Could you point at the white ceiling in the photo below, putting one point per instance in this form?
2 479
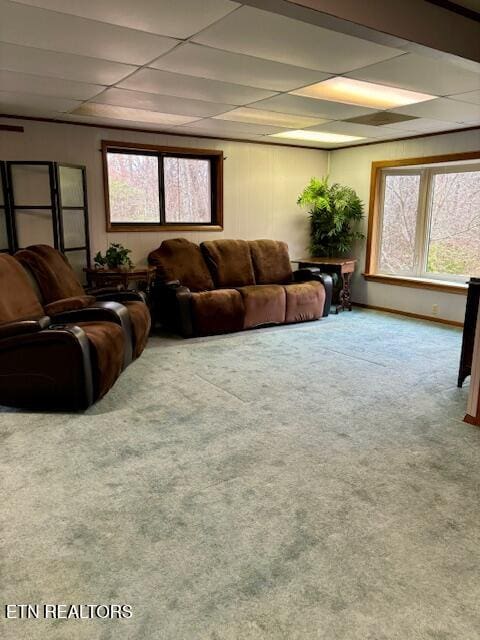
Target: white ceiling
186 64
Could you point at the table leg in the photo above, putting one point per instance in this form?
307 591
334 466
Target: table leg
347 292
344 296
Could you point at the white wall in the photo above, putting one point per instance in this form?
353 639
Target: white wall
352 167
261 182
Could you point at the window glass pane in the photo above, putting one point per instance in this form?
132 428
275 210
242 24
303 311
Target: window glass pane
34 226
71 186
78 260
454 241
73 228
397 251
3 230
133 187
31 185
187 190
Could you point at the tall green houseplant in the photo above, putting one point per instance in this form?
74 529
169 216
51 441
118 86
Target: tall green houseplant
335 210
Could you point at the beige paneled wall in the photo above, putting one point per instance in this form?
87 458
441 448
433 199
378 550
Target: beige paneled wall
261 182
352 167
261 186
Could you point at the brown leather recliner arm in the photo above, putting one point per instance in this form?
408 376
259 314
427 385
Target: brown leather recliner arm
304 275
21 327
172 307
116 295
47 369
102 312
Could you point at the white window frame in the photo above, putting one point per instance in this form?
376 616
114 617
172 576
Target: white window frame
424 217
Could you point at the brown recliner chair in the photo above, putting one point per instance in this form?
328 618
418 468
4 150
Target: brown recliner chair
58 284
67 366
230 285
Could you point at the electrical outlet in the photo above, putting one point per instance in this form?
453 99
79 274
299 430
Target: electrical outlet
435 309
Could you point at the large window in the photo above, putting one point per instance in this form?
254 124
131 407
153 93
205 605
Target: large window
425 221
152 188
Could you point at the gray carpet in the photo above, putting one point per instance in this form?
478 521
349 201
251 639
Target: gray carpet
305 482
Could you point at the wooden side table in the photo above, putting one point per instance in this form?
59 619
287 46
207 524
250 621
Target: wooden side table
344 267
99 278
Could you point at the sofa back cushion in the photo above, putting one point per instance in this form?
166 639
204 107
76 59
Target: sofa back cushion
180 259
230 262
271 262
55 277
18 300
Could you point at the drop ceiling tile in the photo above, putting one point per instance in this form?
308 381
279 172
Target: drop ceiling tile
222 127
175 84
273 118
423 125
311 107
471 96
62 65
32 102
443 109
274 37
135 115
54 31
419 73
166 104
205 62
26 83
176 18
352 129
207 131
311 144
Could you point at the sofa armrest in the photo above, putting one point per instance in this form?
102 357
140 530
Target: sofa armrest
107 311
122 296
171 304
96 291
304 275
22 327
68 304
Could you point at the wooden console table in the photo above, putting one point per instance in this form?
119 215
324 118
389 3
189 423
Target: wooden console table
100 278
344 267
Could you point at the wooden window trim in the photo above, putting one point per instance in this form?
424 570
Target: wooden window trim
373 223
217 202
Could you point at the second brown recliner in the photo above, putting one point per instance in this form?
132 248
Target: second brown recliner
58 282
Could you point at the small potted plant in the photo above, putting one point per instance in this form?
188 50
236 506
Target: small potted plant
116 257
335 210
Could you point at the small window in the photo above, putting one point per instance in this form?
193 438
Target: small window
425 221
162 188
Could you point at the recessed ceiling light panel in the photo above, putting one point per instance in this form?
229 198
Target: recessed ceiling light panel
126 113
316 136
272 118
362 94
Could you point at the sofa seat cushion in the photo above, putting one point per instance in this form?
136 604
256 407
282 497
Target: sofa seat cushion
107 346
264 304
141 322
230 262
305 301
218 311
271 262
180 259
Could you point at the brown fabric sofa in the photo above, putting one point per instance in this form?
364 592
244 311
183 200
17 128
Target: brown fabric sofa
62 292
52 366
229 285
